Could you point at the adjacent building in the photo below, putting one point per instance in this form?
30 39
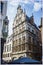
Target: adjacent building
5 27
3 10
3 24
26 36
40 28
7 51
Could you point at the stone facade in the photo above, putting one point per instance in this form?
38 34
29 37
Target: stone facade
25 40
26 36
40 26
41 29
7 51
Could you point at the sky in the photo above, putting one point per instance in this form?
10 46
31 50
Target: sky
30 7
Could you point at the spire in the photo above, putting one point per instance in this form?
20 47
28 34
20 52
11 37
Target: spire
32 16
5 27
41 21
31 19
19 7
24 10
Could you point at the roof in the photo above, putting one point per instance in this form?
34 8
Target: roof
28 19
19 6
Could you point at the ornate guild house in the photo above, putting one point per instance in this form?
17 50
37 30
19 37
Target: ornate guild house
26 36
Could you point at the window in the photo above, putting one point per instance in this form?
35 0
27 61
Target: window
34 48
29 39
19 40
32 31
23 26
16 21
10 47
16 31
33 41
20 29
29 46
23 47
8 55
13 42
16 41
8 41
23 17
15 49
19 47
5 48
28 28
23 39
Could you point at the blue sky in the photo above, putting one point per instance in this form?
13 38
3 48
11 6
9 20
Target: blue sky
30 6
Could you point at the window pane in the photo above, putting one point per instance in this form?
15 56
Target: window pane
29 46
23 41
23 47
19 47
19 40
29 39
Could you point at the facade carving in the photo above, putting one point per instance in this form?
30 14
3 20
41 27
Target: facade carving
26 37
26 40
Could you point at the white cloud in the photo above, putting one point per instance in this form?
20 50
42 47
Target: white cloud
25 1
16 2
32 1
28 1
37 6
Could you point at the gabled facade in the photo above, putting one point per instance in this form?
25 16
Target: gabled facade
25 40
26 36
